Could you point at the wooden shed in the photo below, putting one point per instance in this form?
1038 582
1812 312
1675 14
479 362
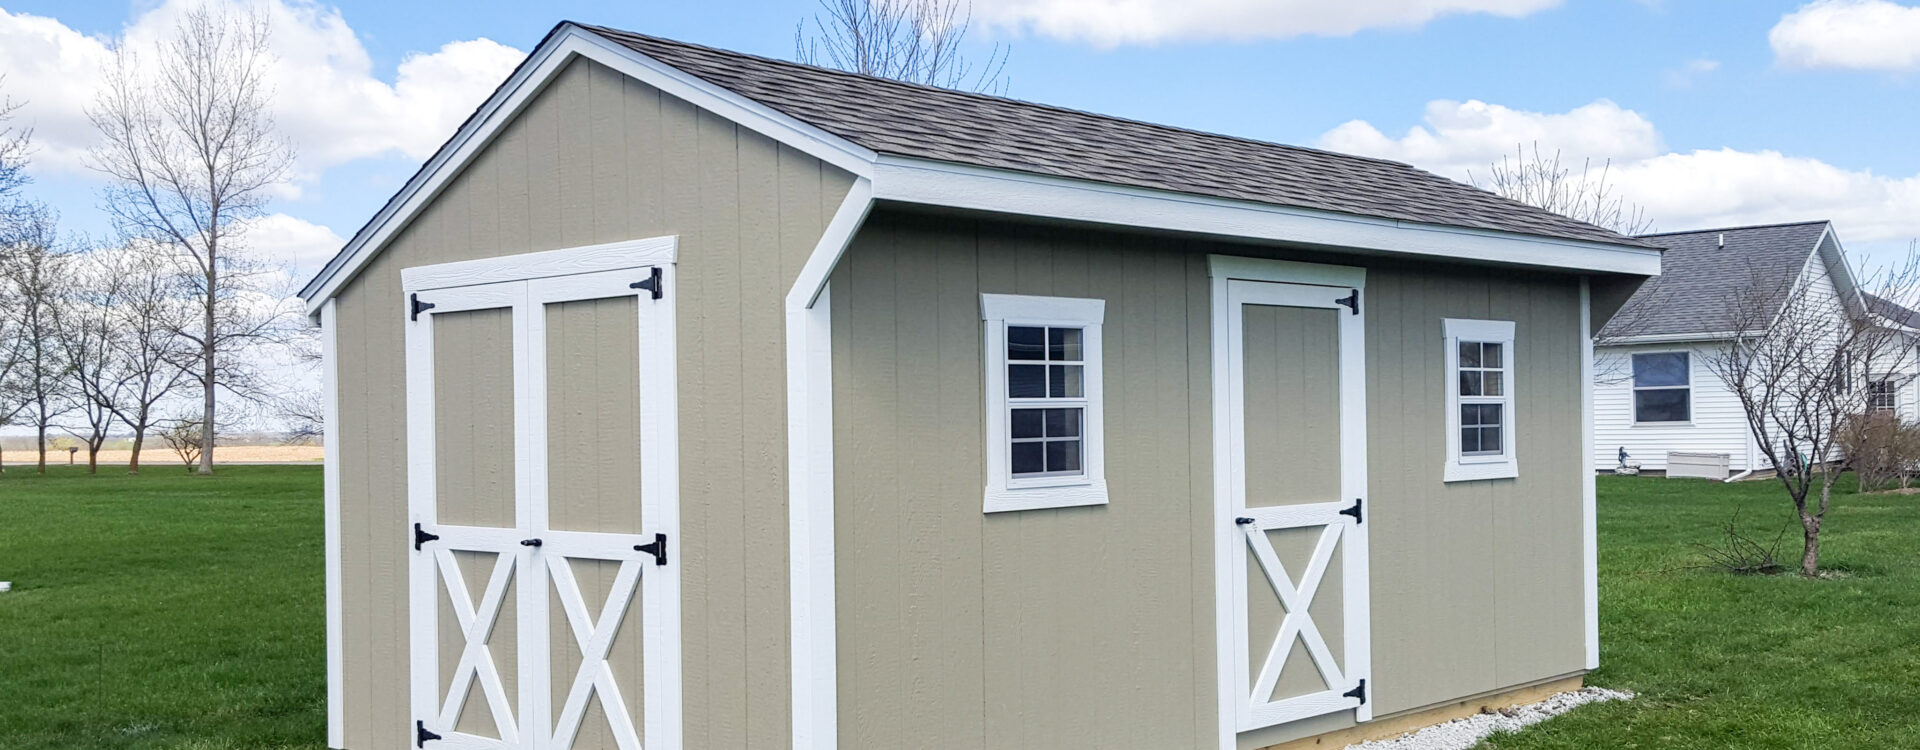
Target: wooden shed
687 398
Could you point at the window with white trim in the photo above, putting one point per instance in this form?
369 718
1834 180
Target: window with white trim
1043 402
1662 388
1883 395
1480 403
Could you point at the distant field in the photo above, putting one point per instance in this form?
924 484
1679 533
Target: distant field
238 454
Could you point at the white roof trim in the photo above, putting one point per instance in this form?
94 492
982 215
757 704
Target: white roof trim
1003 191
957 186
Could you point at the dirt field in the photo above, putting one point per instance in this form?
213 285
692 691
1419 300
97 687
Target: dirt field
238 454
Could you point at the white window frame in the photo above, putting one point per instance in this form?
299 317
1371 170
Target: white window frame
1003 491
1893 384
1505 464
1633 401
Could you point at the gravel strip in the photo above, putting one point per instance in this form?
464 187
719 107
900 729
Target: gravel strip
1461 734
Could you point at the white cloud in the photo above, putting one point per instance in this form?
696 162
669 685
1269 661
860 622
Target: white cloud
300 245
328 100
1691 71
1855 34
1679 190
1113 22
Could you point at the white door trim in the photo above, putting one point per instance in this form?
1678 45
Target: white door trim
1232 277
595 272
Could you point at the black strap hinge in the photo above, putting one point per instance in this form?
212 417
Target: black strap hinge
651 284
1354 511
1352 301
421 735
422 536
417 306
1242 521
657 548
1359 691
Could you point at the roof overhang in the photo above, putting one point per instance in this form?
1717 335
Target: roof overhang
948 185
1669 338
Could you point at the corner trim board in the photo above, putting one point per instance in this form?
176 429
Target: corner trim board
1589 517
330 473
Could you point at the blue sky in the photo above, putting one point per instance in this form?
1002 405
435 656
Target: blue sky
1716 112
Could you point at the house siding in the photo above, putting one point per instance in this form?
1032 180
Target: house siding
597 157
1093 627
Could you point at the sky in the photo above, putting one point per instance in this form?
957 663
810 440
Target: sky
1707 112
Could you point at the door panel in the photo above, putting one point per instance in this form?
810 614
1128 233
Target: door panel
1297 484
535 525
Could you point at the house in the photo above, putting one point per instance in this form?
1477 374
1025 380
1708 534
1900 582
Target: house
1893 382
1656 392
687 398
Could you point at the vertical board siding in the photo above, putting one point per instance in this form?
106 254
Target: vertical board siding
598 157
1092 627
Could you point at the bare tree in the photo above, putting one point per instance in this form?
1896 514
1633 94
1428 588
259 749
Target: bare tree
15 147
917 41
1540 180
147 353
192 155
40 386
1799 367
85 335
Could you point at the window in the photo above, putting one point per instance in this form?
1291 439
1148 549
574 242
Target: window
1662 387
1480 404
1883 395
1043 402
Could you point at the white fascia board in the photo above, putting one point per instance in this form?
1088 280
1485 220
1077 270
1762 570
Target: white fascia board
1668 338
943 184
541 66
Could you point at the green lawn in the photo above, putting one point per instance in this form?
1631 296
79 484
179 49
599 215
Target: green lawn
1721 661
178 612
162 611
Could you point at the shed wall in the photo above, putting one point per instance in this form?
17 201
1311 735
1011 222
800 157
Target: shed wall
595 158
1093 627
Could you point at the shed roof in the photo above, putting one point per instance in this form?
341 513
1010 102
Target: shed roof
911 120
1698 276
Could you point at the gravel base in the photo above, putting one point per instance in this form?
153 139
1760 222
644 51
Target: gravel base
1461 734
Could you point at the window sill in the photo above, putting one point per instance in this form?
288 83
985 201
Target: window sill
1686 423
1457 471
1001 500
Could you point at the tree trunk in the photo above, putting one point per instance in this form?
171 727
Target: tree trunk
41 440
206 378
1810 557
139 438
93 458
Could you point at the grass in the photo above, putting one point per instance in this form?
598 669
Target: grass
169 611
1722 661
162 611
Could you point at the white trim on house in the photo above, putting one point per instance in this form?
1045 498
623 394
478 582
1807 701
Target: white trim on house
541 65
1634 388
950 185
1506 463
1231 669
612 256
1005 492
1589 499
330 473
810 560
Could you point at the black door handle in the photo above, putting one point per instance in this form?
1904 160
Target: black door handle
530 542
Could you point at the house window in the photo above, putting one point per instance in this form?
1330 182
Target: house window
1043 402
1882 395
1662 387
1480 360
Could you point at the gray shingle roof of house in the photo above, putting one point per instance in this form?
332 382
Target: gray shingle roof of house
1698 278
903 119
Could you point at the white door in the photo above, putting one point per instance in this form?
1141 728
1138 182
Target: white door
1297 515
543 512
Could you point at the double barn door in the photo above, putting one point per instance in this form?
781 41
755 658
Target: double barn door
543 510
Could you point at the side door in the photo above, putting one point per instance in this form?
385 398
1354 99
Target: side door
543 507
1297 525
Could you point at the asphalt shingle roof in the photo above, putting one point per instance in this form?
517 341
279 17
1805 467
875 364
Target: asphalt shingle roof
910 120
1893 310
1698 277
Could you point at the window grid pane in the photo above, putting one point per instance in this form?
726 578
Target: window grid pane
1045 440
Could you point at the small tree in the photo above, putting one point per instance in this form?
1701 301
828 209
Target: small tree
183 437
1540 180
145 311
917 41
192 155
36 274
1798 367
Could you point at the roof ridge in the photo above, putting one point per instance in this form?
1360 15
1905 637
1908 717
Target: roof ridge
1738 228
1008 99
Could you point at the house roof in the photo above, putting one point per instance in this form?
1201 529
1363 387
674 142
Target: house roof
1893 311
903 119
1698 277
